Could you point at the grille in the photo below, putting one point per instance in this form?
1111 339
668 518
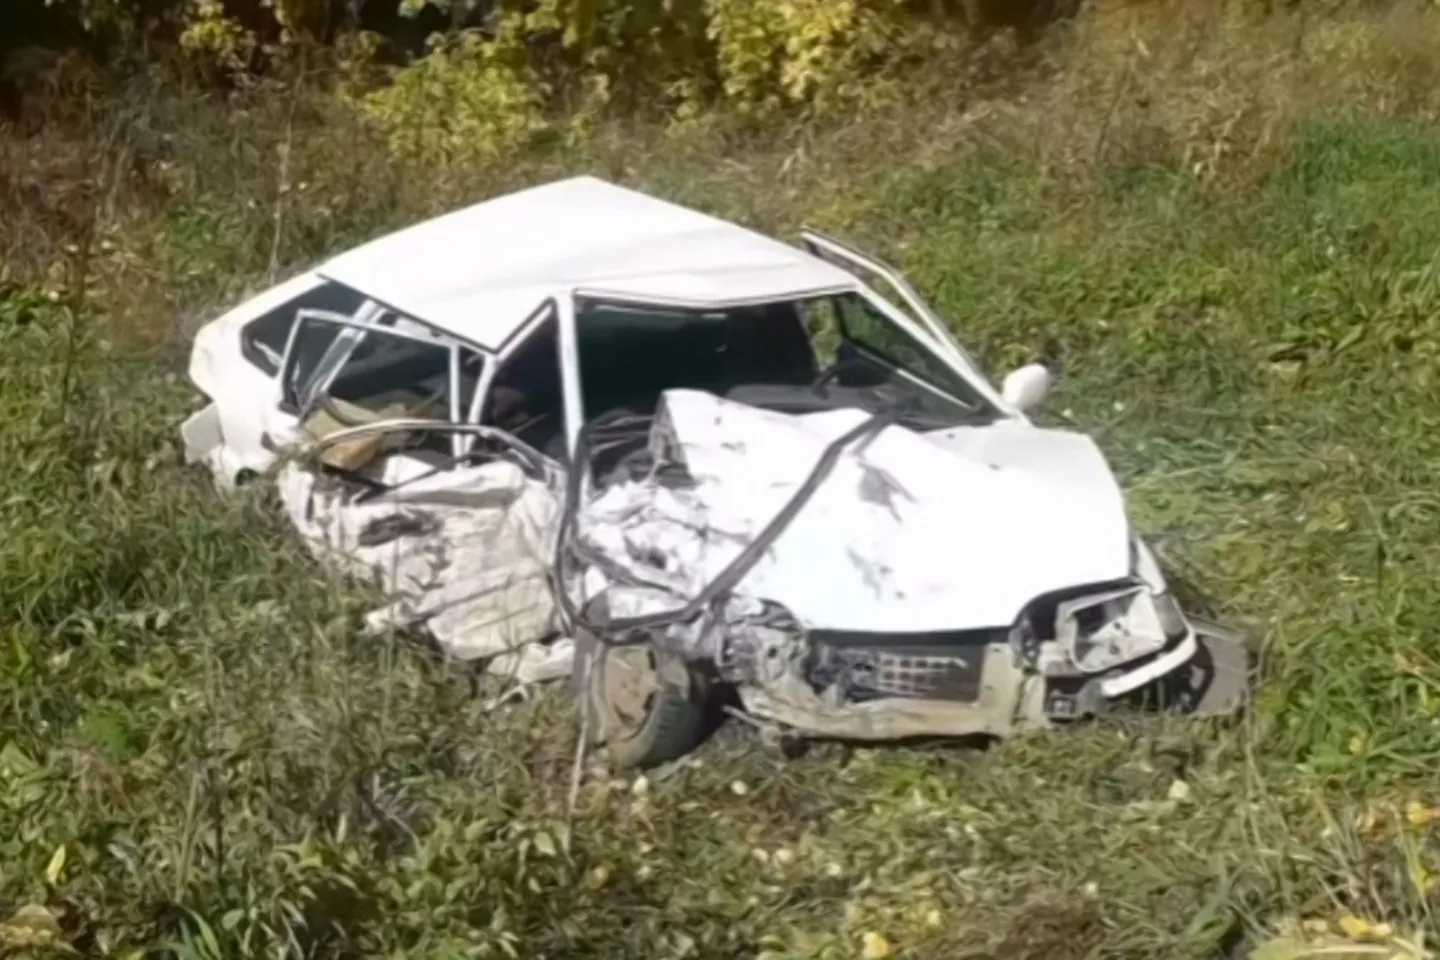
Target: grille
861 667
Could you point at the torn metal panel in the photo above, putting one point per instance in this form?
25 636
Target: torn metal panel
465 553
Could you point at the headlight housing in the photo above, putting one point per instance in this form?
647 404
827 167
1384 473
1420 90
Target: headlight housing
1105 630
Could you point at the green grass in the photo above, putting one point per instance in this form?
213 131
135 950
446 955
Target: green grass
188 712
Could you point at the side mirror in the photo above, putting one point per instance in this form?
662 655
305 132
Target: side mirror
1026 387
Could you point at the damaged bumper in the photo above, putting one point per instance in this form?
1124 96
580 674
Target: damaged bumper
894 692
1104 650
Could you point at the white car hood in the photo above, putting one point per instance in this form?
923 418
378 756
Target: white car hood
911 532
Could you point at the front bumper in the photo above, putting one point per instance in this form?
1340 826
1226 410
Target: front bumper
889 688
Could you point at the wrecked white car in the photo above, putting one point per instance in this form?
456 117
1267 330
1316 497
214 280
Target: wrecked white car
579 430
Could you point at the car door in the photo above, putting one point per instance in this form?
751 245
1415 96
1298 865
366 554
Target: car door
341 372
873 271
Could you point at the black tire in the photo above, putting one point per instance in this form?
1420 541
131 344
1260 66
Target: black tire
673 720
1231 658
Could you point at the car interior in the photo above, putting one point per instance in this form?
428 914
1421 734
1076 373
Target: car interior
761 355
389 377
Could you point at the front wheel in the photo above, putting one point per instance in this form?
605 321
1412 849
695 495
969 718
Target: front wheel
645 704
1228 661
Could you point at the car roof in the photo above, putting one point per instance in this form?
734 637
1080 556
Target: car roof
482 271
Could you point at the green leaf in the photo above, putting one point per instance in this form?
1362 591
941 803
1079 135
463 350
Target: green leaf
56 866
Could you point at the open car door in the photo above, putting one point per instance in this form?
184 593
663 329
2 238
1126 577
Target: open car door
870 270
340 373
311 335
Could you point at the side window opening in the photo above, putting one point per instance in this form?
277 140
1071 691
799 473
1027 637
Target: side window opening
385 375
527 398
863 326
879 284
263 340
897 292
313 341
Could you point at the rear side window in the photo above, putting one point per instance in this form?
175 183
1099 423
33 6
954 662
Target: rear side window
263 340
397 377
379 371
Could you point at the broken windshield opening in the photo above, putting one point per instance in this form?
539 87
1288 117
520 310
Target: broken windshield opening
774 355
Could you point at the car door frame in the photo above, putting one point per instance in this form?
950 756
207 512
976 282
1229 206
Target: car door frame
534 322
372 311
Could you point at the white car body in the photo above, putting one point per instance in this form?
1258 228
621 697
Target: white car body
915 531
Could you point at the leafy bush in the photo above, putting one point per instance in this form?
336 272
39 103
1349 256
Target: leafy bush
465 103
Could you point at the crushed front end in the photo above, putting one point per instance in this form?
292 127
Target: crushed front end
837 604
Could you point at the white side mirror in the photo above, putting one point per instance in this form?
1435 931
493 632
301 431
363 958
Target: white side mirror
1026 387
